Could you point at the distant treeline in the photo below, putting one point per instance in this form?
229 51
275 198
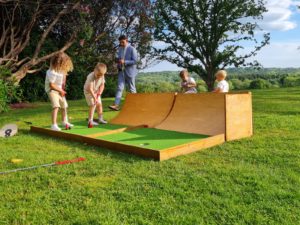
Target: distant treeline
238 78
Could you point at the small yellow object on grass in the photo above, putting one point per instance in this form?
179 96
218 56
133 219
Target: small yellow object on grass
16 160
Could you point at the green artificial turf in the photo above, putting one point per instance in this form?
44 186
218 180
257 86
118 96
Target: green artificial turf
249 181
151 138
82 129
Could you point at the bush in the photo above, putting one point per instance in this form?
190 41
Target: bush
239 84
4 72
33 87
260 84
111 83
9 93
291 81
156 87
3 97
201 86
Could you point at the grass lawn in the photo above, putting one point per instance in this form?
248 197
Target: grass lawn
250 181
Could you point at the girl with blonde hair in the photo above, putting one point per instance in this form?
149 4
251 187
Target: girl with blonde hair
60 65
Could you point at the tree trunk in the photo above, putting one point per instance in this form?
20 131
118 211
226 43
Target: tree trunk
210 81
210 85
18 75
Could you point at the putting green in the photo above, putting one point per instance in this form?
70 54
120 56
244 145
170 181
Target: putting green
152 138
81 128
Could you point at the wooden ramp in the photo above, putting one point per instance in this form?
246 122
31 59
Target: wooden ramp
197 113
212 114
145 109
218 117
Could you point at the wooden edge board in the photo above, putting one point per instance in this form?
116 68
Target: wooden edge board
114 146
191 147
116 131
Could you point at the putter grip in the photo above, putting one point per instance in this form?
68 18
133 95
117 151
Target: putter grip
69 161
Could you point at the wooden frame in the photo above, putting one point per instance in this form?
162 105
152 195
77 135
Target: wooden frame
159 155
222 116
238 114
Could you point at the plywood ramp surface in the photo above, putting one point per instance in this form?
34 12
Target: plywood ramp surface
197 113
149 109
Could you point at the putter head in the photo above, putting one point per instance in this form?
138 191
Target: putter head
67 127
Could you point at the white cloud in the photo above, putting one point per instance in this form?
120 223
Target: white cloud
279 15
277 54
280 54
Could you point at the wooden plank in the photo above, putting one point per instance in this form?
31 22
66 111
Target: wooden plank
148 153
116 131
239 122
191 147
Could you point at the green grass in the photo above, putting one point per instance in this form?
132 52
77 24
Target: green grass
250 181
153 138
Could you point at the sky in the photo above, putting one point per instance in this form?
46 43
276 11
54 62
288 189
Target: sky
283 22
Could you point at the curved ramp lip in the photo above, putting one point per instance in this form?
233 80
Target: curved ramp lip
145 108
197 113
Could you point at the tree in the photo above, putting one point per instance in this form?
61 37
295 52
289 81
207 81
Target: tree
20 18
206 35
107 20
33 31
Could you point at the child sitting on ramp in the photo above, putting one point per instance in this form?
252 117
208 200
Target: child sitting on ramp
93 89
60 65
188 84
222 84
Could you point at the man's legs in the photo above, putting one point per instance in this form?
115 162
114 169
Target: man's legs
120 88
130 81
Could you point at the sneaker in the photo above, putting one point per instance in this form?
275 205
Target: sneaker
102 121
55 127
94 123
91 124
67 124
114 107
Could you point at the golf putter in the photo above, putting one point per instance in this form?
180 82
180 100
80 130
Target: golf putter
90 124
45 165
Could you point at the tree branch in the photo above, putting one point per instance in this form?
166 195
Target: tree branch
53 23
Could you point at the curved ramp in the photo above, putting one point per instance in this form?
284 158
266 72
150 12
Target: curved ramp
148 109
197 113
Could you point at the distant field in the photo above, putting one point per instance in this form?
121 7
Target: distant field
251 181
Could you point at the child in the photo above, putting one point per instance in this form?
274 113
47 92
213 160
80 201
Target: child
222 86
188 84
93 88
60 65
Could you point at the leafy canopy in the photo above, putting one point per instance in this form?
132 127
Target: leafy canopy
206 35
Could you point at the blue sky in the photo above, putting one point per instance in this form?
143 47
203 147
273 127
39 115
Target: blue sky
283 22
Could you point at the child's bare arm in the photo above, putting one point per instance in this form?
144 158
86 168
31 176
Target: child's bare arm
189 85
54 87
101 89
91 92
217 90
